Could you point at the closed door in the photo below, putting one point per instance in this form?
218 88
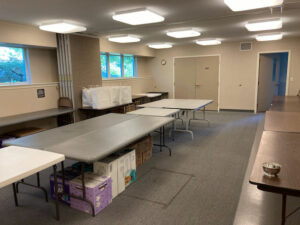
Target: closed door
185 78
197 78
267 81
207 80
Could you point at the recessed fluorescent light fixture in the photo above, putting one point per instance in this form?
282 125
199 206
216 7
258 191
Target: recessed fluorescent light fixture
184 33
271 24
62 28
124 39
242 5
138 17
269 37
160 46
208 42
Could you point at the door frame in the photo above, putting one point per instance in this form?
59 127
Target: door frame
198 56
257 74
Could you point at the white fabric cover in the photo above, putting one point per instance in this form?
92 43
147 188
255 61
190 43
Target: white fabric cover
105 97
86 98
100 97
115 95
125 95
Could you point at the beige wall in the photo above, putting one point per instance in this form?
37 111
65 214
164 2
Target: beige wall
26 35
22 99
85 57
238 69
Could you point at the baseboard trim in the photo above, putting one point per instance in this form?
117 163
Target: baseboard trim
236 110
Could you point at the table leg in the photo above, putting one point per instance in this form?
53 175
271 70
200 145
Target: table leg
83 189
15 194
63 176
160 139
162 143
283 209
34 186
56 192
203 117
186 125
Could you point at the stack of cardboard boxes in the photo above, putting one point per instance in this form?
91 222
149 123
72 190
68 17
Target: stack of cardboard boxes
121 167
143 150
104 179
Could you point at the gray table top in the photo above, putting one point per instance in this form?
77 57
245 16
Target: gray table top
26 117
93 139
58 135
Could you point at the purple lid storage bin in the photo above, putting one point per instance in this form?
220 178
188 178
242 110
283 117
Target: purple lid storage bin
98 191
70 174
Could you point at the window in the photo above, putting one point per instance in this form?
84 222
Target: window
104 66
13 66
115 66
118 66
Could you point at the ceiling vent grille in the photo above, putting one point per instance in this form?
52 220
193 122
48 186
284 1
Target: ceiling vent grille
246 46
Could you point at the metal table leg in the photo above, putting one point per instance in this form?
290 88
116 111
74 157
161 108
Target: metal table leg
15 194
162 140
32 185
201 119
283 209
186 125
56 192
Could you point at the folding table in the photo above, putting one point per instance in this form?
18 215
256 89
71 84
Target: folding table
158 112
91 140
184 105
283 148
17 163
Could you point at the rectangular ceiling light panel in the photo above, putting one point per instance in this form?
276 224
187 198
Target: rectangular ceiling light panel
269 37
242 5
184 33
138 17
208 42
271 24
160 46
63 28
124 39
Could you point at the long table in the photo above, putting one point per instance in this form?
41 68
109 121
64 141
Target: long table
282 121
286 104
93 139
27 117
185 105
280 143
158 112
18 163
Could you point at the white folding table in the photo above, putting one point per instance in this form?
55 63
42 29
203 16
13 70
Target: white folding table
160 112
184 105
17 163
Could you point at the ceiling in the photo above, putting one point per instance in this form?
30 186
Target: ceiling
212 17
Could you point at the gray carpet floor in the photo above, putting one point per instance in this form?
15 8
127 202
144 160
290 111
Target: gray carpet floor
199 185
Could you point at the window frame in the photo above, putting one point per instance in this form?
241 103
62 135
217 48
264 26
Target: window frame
27 68
108 54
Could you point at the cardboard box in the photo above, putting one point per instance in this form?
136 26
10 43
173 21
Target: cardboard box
143 150
129 166
109 167
98 192
121 174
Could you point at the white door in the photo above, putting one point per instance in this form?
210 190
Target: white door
267 81
207 80
185 78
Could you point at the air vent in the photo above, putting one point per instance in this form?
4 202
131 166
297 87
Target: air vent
246 46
